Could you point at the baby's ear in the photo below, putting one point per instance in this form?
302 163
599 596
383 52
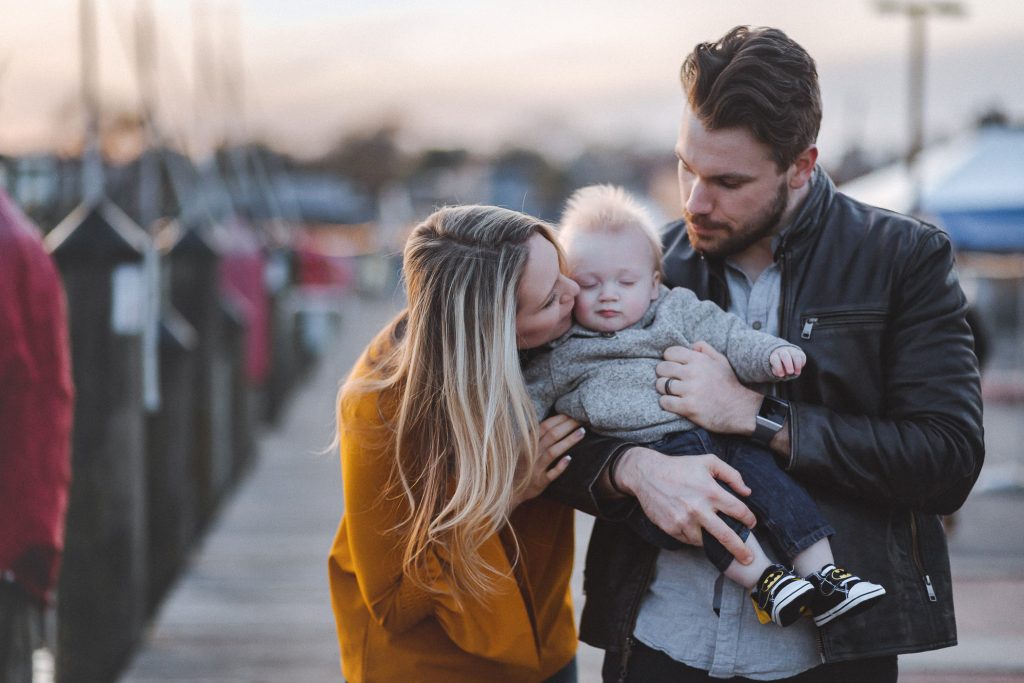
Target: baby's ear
655 281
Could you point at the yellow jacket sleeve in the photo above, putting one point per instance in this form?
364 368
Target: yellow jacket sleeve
372 513
497 627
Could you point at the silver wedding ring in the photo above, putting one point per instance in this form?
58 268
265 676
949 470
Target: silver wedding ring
668 387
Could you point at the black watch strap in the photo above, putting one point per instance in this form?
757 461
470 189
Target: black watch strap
770 418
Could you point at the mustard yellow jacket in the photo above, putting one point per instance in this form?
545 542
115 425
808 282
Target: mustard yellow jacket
391 630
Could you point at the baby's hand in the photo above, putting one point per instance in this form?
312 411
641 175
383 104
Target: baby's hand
787 362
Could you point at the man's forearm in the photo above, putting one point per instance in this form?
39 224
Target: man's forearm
742 420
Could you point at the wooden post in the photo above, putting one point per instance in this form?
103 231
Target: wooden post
195 292
172 489
99 252
283 368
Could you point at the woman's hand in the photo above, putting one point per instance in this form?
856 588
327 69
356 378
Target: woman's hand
558 434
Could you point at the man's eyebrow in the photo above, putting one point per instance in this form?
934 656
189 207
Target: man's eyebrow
735 176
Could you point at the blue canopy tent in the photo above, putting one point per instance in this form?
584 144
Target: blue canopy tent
973 187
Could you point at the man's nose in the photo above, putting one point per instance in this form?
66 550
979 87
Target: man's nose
699 200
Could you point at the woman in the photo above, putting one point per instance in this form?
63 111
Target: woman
446 565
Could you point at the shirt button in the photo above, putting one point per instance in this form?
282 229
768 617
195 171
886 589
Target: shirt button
756 325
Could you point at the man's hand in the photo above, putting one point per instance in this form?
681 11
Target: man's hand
681 495
699 384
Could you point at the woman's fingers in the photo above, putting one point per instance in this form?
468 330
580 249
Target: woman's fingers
556 428
567 442
558 434
556 469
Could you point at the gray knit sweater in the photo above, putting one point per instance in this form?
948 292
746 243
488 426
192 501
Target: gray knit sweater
606 379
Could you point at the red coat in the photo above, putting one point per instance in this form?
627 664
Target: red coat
35 406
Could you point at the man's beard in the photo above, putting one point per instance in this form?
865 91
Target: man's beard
735 241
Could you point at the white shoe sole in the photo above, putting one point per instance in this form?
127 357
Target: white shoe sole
854 603
787 595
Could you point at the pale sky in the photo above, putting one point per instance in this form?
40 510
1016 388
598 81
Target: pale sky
555 74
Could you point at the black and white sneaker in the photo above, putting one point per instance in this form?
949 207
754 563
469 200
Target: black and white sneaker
780 595
840 593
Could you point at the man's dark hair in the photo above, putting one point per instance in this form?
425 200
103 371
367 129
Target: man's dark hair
759 79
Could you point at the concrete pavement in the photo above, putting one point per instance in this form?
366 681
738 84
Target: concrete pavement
253 605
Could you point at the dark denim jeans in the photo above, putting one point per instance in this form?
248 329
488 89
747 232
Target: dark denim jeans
786 516
567 674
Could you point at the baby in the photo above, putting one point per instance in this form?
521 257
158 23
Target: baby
602 372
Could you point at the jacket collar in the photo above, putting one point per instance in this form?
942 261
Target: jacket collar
808 218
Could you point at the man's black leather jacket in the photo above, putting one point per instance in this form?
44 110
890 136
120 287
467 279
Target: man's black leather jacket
885 423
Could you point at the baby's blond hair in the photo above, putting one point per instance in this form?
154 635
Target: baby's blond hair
607 209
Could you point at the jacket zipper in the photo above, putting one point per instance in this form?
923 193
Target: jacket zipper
916 553
782 292
848 318
627 646
783 388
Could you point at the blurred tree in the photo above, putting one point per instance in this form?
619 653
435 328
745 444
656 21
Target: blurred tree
852 164
440 159
993 116
524 180
371 160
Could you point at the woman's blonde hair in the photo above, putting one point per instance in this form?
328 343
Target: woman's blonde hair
607 209
463 430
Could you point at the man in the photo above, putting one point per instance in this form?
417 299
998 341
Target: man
35 429
883 426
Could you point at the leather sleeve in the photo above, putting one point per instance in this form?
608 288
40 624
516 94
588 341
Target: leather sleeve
925 448
578 485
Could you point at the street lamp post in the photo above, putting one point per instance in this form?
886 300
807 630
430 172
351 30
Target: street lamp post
917 11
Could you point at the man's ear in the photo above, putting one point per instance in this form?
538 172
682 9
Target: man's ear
803 167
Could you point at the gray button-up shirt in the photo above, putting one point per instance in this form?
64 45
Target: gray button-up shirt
677 612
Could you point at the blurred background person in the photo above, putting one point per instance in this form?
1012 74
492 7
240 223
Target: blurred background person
35 427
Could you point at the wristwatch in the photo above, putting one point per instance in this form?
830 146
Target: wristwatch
770 418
